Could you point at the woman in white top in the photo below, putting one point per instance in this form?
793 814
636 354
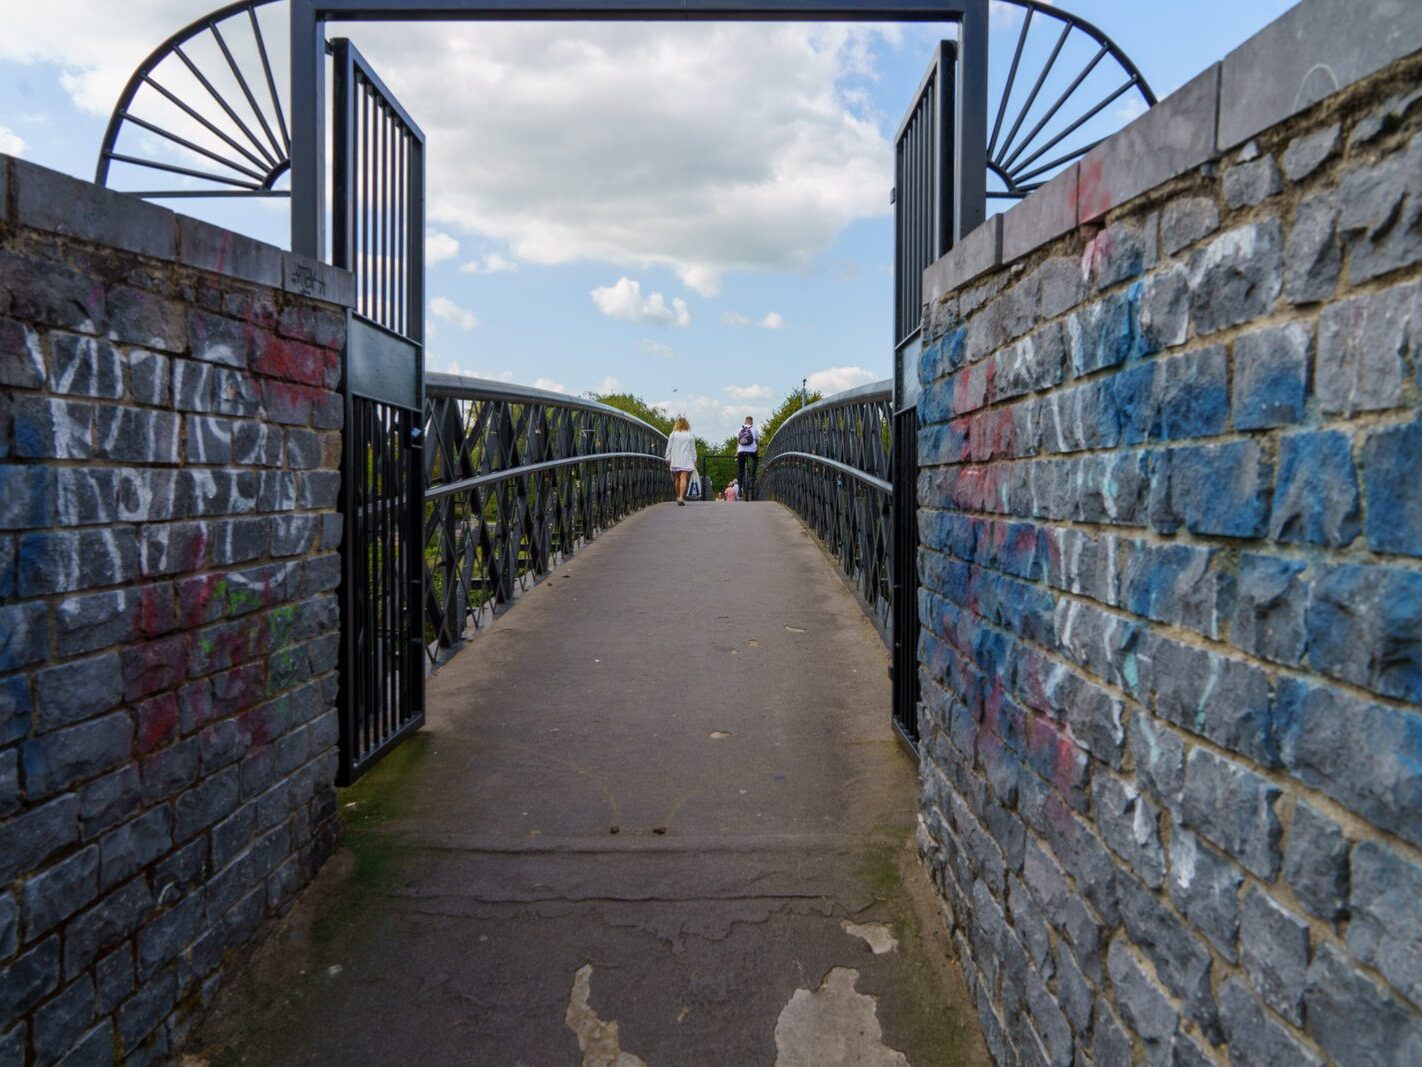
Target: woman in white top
681 456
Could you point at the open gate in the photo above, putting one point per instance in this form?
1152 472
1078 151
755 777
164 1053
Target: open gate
923 229
378 171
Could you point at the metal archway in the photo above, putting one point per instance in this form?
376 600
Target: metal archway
229 135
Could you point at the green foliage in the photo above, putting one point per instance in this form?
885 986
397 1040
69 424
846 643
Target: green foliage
635 405
791 404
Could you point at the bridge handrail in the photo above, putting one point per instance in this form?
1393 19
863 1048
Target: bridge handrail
850 510
517 479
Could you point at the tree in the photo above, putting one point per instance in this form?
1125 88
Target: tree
791 404
635 405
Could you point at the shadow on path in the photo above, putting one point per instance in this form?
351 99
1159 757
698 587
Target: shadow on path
657 816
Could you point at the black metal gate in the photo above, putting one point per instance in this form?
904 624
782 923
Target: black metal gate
378 233
923 231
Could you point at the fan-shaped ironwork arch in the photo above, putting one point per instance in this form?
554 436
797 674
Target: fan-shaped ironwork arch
230 114
228 135
1025 130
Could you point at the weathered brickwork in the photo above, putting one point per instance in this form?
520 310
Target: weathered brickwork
169 438
1171 584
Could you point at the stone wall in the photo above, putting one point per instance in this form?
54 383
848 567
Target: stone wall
169 452
1171 508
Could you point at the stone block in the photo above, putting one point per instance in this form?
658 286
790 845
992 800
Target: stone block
1130 823
1237 276
1146 1007
1165 308
51 293
1205 887
139 317
135 845
1316 862
1316 494
22 363
220 340
174 548
977 253
1250 183
84 366
1184 220
1213 489
221 492
23 640
206 803
1274 948
9 926
149 377
1353 1019
80 689
308 277
1365 626
1269 608
1106 333
58 892
1233 808
1170 139
136 435
1309 151
1047 213
113 979
143 1012
167 935
1386 927
238 540
1181 958
28 979
1191 395
108 801
28 497
1394 489
232 255
1363 755
1380 208
1315 49
150 495
86 497
314 324
1256 1040
63 758
256 444
1313 254
1271 376
30 838
46 428
9 784
104 925
1362 344
47 200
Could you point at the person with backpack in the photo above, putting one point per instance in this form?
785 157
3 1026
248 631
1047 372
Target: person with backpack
681 456
747 455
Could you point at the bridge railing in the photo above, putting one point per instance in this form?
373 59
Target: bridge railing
831 463
516 479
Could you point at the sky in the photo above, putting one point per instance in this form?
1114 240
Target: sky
698 214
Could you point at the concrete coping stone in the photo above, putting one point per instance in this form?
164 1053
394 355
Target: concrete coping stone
44 199
976 254
1315 49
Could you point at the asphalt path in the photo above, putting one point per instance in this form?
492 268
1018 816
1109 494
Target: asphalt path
657 815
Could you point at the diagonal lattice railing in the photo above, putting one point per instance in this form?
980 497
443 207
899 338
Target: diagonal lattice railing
831 463
516 479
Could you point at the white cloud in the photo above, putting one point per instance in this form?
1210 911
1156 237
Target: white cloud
608 385
446 310
748 392
455 367
1131 109
772 320
624 300
11 143
656 348
833 380
439 247
549 384
489 263
573 142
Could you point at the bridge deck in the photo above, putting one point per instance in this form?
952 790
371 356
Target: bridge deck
671 763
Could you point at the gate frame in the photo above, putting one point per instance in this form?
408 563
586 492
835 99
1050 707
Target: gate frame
308 86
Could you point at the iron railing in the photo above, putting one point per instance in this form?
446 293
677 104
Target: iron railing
516 479
830 463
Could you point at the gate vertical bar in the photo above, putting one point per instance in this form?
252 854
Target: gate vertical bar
970 121
308 130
